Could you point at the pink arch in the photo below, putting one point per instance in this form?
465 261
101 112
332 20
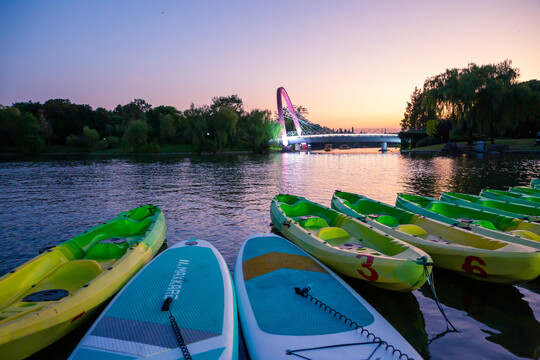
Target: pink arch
282 92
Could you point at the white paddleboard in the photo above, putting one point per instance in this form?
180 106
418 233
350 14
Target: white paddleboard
279 323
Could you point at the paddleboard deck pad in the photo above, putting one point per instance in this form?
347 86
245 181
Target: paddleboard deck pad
188 284
292 306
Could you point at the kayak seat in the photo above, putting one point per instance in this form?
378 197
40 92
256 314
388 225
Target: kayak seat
313 223
525 234
387 220
106 251
507 224
334 236
413 230
485 224
74 274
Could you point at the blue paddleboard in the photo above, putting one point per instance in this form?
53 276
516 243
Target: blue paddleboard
189 285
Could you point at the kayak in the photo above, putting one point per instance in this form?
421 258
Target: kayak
349 246
483 222
50 295
520 211
278 286
182 303
514 198
525 190
451 248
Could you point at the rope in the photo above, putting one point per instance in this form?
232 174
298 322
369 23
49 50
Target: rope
176 329
375 339
431 284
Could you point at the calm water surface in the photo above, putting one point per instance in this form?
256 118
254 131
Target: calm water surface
224 199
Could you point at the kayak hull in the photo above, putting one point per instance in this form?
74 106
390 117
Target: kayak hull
451 248
516 231
348 246
82 273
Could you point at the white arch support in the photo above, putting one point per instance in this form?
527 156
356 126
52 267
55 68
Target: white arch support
282 92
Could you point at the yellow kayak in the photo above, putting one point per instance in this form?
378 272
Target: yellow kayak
350 247
467 253
50 295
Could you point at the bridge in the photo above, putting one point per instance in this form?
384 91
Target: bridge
310 133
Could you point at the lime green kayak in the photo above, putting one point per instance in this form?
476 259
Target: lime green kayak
506 208
525 190
515 198
349 246
450 247
53 293
483 222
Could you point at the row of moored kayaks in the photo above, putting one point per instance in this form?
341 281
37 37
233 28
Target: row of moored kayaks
185 303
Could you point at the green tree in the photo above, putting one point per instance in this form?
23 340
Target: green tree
168 128
90 137
431 128
222 126
136 135
197 127
455 93
232 101
416 116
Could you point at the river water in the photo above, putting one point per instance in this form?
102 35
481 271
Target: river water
226 198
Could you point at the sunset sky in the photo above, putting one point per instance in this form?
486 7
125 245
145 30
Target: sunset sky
350 63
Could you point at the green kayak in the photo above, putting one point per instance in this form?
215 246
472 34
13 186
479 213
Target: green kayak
525 190
450 247
506 208
348 246
483 222
510 197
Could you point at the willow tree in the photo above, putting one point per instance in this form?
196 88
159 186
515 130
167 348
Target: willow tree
454 93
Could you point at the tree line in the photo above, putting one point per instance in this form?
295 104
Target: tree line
484 101
32 127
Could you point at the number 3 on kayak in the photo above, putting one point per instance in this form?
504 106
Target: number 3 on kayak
372 275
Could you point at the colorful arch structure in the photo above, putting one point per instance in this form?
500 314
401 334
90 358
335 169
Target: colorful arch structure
281 92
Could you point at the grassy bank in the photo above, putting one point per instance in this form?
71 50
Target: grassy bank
513 144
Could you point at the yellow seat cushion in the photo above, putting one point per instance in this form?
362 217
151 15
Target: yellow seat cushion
412 229
334 235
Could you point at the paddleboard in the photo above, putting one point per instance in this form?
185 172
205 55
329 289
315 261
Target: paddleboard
292 306
189 285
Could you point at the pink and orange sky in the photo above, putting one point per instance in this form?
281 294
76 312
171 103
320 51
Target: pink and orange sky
351 63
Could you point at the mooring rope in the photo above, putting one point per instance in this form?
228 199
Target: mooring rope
431 284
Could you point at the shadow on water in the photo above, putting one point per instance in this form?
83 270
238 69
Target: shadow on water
500 307
402 310
533 285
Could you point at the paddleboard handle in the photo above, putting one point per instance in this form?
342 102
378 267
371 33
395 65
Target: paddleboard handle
166 304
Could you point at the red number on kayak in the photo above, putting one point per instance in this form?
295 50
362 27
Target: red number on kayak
469 267
372 276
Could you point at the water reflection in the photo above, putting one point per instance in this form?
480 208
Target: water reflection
224 199
500 307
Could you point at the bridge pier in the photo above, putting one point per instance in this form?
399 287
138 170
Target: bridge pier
384 147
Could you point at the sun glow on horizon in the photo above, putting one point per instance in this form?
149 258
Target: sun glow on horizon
351 64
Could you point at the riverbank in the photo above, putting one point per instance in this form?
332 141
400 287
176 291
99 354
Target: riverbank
515 146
